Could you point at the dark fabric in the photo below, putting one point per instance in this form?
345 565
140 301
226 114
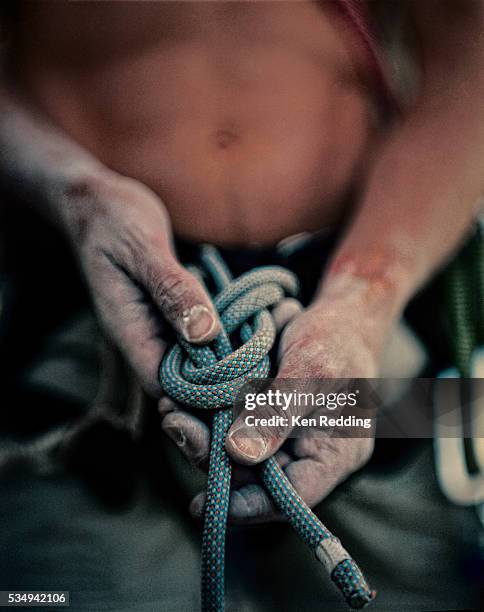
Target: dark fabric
111 522
47 298
306 256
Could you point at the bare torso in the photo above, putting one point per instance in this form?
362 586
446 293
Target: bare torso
249 120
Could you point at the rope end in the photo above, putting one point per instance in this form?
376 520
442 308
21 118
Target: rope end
344 573
358 602
350 581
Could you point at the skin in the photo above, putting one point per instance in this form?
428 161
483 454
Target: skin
235 142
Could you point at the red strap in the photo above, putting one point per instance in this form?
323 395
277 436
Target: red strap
358 17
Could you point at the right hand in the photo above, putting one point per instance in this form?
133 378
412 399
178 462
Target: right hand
122 236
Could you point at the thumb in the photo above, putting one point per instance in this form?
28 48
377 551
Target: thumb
255 443
181 298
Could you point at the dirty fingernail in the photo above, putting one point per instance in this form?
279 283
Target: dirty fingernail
176 435
246 445
198 323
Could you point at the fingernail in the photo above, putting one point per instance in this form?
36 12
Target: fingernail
176 435
247 445
166 405
198 323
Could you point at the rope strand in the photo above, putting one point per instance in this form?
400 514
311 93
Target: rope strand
210 378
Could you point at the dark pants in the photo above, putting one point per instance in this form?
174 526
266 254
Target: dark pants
112 527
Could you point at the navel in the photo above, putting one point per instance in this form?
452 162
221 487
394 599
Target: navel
226 138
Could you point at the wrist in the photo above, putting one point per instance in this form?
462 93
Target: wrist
375 283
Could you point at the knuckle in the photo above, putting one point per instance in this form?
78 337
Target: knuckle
81 206
172 291
276 431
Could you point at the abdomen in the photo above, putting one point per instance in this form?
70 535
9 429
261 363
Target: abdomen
249 120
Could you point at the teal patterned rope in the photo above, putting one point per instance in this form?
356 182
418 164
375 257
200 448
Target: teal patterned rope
210 378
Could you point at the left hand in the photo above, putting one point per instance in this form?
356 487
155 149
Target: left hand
339 336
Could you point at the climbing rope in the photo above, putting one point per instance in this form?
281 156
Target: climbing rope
210 377
465 302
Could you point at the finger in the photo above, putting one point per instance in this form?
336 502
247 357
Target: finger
197 505
251 504
325 464
190 435
313 480
285 311
282 458
180 297
251 444
248 505
166 405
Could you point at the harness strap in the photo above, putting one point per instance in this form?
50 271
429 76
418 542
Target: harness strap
210 377
357 15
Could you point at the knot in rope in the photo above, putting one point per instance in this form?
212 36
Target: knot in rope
210 377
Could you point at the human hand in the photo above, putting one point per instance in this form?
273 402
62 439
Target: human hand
122 236
339 337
